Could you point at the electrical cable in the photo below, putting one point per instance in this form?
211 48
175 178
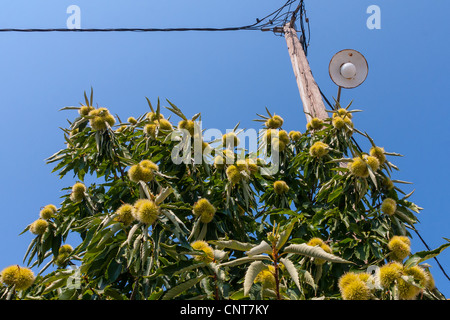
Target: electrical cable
271 20
428 248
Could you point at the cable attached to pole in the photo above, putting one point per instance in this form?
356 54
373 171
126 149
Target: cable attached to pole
270 21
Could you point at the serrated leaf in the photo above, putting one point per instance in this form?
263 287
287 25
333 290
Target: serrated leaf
176 221
308 278
314 252
284 235
182 287
268 293
54 285
413 207
130 234
144 188
410 280
113 270
292 270
195 229
421 256
232 244
203 231
252 272
336 193
243 260
405 216
219 272
340 160
30 246
189 268
175 269
163 195
372 176
176 110
263 247
219 255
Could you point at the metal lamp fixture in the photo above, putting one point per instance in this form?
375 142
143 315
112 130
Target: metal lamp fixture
348 69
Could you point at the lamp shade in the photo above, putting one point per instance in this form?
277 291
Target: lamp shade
348 68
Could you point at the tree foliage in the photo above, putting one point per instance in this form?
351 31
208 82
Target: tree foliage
150 228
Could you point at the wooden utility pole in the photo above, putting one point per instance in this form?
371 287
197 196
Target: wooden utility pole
313 105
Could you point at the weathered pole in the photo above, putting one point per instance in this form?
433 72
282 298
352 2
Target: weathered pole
313 105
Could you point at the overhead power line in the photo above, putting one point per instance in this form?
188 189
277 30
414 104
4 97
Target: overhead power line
273 20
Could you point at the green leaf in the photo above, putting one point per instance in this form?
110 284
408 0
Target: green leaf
290 267
253 270
113 293
156 294
313 252
405 216
263 247
69 108
195 229
176 221
408 195
86 99
31 246
178 268
238 295
68 294
163 195
400 181
340 160
176 110
113 270
284 235
372 176
308 278
232 244
362 251
336 193
219 255
55 285
203 231
422 256
150 104
243 260
182 287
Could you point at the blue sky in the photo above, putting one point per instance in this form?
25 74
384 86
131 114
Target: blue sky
228 77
